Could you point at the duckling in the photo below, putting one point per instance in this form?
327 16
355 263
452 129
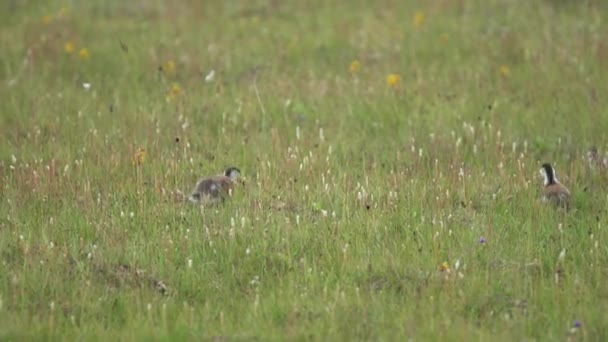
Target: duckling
595 159
214 189
554 191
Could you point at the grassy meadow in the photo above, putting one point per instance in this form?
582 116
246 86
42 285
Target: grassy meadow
390 153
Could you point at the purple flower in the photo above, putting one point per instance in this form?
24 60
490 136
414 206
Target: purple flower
577 324
482 240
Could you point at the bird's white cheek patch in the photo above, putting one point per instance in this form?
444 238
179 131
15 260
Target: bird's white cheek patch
543 173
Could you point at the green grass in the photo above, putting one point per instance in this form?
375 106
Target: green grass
355 192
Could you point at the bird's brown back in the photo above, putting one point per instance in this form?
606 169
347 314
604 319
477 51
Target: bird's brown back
557 194
214 186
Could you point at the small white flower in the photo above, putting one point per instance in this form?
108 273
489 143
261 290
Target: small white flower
562 255
210 76
189 263
248 251
345 248
86 85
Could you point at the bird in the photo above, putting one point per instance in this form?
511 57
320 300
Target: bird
554 192
596 159
214 189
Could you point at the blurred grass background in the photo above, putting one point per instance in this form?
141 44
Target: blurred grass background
390 153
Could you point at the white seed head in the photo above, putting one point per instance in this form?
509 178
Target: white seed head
210 76
562 255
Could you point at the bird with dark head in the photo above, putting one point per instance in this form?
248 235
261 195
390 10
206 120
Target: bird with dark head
215 189
554 192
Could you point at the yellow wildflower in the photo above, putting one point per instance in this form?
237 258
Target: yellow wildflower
418 19
393 80
444 267
47 19
174 92
355 66
170 67
139 157
504 71
69 48
84 53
